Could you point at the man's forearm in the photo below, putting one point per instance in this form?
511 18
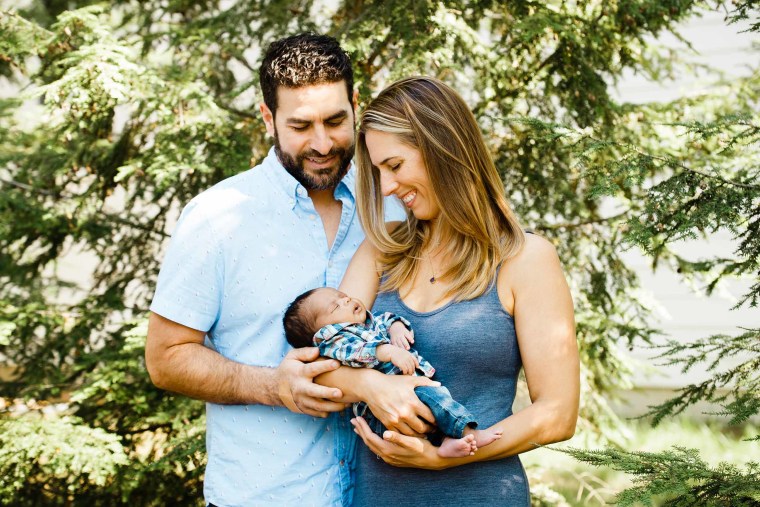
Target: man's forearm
199 372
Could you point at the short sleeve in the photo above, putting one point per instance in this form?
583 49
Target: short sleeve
189 287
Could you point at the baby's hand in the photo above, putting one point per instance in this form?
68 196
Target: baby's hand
400 335
404 359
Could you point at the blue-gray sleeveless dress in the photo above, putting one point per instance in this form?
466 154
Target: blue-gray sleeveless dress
473 347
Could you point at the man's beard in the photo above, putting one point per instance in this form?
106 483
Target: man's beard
325 178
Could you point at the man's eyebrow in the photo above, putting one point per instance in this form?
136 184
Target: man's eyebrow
339 115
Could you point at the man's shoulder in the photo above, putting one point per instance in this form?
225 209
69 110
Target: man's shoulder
242 183
249 188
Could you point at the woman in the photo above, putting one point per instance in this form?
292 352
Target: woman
484 299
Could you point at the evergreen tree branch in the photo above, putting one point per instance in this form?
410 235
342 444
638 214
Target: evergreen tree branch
677 477
736 388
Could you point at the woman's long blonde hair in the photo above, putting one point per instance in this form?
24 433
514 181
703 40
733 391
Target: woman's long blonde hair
477 226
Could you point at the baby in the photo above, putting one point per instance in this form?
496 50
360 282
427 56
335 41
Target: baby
343 329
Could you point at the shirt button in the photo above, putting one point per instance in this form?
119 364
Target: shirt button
342 462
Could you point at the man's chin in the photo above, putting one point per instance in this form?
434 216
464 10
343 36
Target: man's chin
326 178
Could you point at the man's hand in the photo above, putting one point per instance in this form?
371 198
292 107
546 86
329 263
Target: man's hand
400 335
296 387
403 359
391 399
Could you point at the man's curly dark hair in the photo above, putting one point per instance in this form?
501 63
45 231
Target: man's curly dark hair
302 60
299 322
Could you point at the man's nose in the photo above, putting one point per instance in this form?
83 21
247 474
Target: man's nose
321 142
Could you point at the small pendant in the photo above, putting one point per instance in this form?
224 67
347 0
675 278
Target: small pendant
432 279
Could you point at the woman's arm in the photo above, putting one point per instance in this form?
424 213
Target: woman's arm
390 398
533 288
362 277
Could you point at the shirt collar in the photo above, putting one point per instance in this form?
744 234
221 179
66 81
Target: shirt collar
293 189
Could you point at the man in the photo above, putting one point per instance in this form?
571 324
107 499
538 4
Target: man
239 254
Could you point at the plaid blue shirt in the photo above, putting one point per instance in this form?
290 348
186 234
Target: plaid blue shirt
356 344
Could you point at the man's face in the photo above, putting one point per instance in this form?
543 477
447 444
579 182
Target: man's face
313 133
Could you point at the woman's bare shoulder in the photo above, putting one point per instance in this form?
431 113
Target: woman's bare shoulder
536 252
537 257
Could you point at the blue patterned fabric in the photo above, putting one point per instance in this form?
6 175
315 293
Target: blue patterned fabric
356 344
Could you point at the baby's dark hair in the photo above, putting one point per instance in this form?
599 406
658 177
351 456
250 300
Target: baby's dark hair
299 322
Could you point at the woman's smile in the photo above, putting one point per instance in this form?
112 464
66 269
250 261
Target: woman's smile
402 173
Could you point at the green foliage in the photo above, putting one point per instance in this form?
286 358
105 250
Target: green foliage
678 478
54 456
125 110
737 388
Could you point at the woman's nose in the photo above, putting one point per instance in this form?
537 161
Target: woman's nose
388 183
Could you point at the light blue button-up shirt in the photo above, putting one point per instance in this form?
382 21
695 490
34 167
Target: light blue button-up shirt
239 255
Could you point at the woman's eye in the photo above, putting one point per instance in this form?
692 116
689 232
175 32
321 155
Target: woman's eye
395 167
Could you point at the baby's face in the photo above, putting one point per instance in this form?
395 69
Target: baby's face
331 306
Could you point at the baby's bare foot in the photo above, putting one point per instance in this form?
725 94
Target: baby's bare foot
458 447
484 437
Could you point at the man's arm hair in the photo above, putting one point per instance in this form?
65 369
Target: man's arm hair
178 361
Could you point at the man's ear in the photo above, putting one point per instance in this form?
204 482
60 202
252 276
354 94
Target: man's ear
268 117
355 101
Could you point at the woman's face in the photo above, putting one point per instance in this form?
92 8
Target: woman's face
402 173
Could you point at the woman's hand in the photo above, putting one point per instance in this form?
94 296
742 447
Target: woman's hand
392 399
400 450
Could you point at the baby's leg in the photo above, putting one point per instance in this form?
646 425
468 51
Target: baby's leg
483 437
457 447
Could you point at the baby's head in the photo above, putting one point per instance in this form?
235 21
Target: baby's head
316 308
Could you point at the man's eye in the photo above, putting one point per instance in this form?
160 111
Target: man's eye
336 123
299 128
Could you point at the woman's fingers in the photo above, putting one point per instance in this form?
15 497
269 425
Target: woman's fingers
371 440
409 443
393 448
